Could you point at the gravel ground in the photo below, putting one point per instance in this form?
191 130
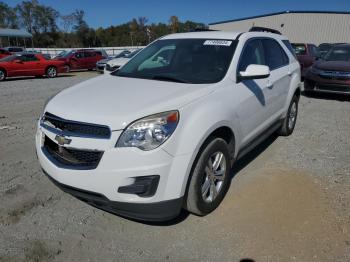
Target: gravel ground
289 199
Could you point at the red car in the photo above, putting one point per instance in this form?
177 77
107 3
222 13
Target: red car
4 53
30 65
306 55
81 59
330 74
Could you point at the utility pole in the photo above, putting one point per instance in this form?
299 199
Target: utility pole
132 41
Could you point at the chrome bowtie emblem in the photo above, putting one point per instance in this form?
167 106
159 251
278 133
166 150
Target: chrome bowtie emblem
61 140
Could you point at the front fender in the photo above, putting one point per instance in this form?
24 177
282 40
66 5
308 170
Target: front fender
295 84
197 122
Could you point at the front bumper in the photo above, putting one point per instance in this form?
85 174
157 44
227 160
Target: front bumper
118 168
317 83
100 68
160 211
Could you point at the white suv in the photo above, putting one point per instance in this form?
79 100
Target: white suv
161 134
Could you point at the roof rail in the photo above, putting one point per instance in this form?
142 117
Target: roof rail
264 29
202 29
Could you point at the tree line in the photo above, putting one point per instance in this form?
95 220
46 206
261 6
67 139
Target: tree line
52 29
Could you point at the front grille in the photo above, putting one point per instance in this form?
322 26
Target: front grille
333 88
73 128
336 75
71 158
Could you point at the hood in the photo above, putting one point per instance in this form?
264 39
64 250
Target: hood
333 65
118 101
118 61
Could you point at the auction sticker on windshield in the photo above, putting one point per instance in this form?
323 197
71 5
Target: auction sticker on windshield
218 42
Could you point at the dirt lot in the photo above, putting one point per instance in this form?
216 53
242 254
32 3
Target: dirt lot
289 199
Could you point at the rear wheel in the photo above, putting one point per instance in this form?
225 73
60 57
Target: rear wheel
289 121
51 72
210 178
2 75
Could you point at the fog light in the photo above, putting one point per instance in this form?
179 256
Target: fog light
144 186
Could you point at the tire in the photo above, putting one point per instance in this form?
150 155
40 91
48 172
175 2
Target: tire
51 72
289 121
201 198
2 75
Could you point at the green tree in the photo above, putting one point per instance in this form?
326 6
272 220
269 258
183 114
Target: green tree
174 24
8 18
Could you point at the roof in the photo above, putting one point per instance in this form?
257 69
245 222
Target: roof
6 32
280 13
204 34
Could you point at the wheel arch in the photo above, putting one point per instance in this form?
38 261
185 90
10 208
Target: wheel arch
48 66
224 132
4 69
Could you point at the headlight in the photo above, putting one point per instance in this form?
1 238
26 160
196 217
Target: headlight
150 132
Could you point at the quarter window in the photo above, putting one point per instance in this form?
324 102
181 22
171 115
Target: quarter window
253 53
274 54
289 46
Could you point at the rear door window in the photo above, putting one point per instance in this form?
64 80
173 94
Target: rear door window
89 54
275 56
79 55
289 46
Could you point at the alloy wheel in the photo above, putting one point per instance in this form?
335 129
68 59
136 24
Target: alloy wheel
292 115
2 75
215 171
51 72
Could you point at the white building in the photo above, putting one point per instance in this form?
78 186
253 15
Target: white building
299 26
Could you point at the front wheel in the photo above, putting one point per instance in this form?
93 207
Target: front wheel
2 75
290 120
51 72
210 178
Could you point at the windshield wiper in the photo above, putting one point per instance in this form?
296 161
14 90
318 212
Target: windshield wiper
169 78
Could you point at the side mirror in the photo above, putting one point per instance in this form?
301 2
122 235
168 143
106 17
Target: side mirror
254 72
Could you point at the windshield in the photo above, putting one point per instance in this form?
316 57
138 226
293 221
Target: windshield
324 47
66 54
62 53
195 61
299 49
122 54
9 58
339 53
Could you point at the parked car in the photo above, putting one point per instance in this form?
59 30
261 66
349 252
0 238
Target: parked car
28 64
145 141
81 59
325 47
306 54
332 73
4 53
100 65
15 49
116 63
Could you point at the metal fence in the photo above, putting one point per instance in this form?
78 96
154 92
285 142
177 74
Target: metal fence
111 51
